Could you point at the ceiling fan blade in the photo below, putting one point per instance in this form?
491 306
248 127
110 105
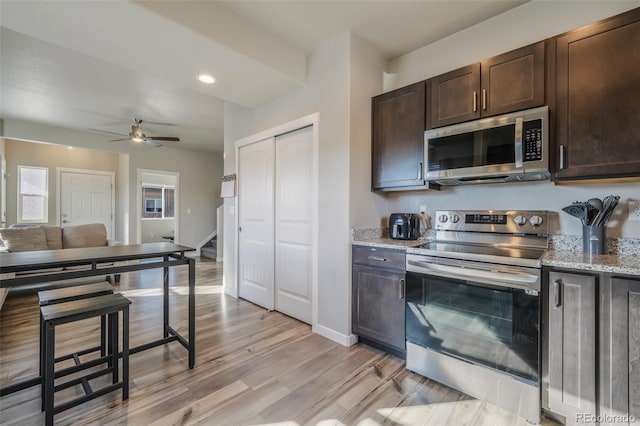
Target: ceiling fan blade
104 131
117 140
159 123
163 138
151 143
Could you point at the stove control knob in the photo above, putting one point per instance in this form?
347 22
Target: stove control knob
520 220
454 218
443 218
535 220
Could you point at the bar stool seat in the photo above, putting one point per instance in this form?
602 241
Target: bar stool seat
62 313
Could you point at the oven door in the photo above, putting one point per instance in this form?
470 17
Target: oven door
472 314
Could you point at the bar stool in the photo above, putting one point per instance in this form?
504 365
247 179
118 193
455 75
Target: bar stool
67 312
69 294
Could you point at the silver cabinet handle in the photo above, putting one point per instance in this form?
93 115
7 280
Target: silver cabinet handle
475 101
557 293
419 171
484 99
402 288
379 259
561 157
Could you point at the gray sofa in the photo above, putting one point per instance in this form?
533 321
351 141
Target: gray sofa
29 238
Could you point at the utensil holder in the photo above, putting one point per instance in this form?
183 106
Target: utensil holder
594 239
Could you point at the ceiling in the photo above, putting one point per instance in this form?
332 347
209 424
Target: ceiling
98 64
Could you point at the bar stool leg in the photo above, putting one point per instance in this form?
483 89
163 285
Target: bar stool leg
125 353
42 364
49 373
113 337
103 335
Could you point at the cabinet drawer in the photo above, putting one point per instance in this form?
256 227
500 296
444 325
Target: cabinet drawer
379 257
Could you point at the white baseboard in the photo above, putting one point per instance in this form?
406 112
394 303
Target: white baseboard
219 259
343 339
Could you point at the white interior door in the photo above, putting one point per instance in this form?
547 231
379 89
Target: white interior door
86 198
255 220
293 223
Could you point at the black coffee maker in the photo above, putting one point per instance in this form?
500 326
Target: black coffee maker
404 226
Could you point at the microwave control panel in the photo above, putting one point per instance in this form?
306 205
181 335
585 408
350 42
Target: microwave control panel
532 140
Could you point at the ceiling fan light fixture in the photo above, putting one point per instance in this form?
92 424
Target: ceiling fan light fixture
206 78
137 139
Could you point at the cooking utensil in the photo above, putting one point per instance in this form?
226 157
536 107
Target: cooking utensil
592 213
609 205
577 210
595 202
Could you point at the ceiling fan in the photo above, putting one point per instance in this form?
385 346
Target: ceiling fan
137 135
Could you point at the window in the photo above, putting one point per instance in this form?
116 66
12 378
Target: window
33 195
157 202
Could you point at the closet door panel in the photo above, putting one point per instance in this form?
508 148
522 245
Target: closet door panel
293 223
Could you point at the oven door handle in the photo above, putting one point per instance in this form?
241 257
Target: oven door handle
520 280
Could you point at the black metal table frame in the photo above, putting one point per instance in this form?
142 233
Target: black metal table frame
176 258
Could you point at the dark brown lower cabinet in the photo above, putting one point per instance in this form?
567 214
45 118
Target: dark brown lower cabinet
591 352
620 352
378 303
572 337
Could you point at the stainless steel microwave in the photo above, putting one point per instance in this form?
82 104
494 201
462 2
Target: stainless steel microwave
505 148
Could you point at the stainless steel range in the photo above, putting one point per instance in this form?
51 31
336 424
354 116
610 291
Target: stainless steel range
473 306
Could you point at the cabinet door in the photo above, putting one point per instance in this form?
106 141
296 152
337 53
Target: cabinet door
378 305
398 137
620 349
513 81
572 344
455 96
598 101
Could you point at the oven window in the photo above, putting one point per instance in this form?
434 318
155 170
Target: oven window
493 326
486 147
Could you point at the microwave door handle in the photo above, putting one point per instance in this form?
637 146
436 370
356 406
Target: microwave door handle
425 166
518 143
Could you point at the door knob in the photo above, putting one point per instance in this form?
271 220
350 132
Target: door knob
65 221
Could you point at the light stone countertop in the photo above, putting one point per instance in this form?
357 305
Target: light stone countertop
628 264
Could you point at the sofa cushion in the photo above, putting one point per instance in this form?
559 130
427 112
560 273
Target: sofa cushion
80 236
24 239
54 237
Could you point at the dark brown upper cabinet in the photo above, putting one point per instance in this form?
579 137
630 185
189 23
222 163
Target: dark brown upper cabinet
509 82
398 139
598 100
454 96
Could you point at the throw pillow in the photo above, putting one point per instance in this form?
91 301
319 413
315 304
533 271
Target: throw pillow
24 239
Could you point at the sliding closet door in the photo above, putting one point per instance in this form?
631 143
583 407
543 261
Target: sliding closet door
293 223
256 211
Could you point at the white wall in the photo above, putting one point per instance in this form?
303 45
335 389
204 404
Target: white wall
200 175
367 65
327 92
531 22
20 153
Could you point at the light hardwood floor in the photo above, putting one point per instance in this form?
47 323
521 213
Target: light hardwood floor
252 367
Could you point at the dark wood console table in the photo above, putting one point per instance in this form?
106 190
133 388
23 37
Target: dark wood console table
167 255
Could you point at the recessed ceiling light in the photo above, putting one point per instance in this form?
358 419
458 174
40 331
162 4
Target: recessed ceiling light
206 78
